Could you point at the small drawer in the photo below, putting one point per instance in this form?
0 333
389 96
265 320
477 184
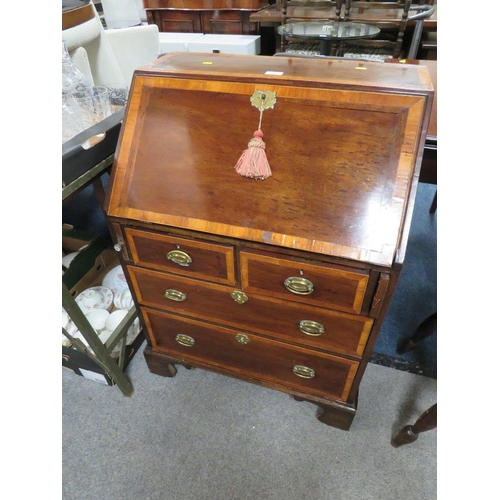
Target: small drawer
323 285
199 259
259 358
286 320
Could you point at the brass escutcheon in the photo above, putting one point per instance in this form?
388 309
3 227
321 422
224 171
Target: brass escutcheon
242 339
303 371
179 257
185 340
310 327
299 286
175 295
239 297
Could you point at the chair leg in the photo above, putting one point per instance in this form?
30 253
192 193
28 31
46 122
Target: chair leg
426 328
426 422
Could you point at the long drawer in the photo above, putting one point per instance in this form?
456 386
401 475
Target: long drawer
257 357
289 321
324 285
214 262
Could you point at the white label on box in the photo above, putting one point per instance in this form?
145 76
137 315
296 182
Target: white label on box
98 377
274 72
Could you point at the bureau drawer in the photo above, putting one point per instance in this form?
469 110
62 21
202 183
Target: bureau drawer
182 256
251 355
323 285
290 321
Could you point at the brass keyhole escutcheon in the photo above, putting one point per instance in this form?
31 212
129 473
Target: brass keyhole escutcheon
239 297
299 286
179 257
185 340
242 339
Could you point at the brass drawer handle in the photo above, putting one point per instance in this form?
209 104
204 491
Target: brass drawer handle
175 295
185 340
239 297
300 286
303 371
179 257
310 327
242 339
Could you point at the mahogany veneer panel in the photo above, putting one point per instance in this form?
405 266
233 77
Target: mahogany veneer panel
261 357
208 260
344 333
369 139
342 289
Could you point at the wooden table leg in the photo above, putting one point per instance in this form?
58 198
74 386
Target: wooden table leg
426 422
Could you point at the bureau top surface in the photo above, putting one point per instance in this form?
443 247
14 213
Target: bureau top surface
344 142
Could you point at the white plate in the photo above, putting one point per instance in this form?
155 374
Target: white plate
105 304
115 280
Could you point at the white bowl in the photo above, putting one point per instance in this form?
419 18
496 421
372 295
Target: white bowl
104 335
115 318
97 318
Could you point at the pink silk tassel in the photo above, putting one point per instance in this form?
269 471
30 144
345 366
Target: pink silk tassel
253 161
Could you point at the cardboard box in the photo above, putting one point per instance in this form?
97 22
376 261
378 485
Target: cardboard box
226 44
81 363
84 365
88 246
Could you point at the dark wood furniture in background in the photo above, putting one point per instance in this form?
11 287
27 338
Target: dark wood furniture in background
269 18
283 282
224 17
428 420
408 434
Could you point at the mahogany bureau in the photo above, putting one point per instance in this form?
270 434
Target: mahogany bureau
285 281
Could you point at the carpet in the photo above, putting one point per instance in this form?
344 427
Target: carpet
415 297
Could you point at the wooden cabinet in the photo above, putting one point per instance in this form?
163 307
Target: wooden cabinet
282 282
204 16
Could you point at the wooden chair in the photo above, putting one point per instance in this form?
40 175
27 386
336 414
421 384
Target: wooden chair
389 43
392 42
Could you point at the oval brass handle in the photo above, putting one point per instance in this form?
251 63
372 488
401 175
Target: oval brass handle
239 297
310 327
303 371
175 295
300 286
185 340
242 339
179 257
